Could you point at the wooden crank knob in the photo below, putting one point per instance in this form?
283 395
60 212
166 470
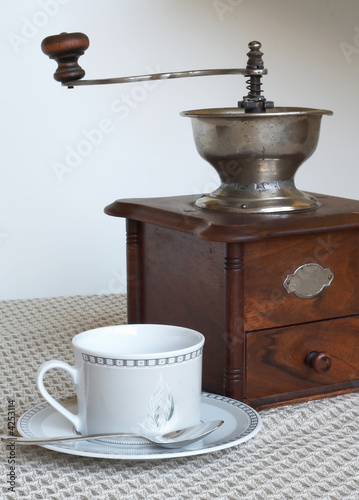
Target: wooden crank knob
319 361
66 48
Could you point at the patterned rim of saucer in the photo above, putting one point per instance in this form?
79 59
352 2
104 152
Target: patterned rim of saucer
241 423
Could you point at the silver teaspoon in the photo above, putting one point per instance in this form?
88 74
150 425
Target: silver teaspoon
174 439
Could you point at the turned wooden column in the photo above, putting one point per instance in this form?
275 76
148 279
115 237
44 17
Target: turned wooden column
134 275
235 333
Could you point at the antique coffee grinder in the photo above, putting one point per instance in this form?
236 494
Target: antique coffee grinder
269 274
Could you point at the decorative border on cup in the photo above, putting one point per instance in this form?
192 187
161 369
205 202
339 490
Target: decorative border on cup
140 363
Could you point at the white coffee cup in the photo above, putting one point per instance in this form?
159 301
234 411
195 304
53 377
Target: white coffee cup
133 378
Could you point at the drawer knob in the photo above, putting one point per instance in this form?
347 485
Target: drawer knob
319 361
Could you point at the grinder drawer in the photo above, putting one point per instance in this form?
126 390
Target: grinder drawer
283 278
302 357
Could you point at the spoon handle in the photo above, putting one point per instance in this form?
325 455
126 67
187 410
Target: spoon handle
23 440
171 439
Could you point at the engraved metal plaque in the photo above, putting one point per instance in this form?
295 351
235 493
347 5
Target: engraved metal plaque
308 280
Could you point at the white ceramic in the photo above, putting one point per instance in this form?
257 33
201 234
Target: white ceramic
241 423
142 379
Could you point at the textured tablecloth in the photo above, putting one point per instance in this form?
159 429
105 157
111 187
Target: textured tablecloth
303 451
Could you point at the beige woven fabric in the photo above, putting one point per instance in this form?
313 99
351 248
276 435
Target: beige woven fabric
304 451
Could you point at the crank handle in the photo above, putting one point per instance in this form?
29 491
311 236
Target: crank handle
66 49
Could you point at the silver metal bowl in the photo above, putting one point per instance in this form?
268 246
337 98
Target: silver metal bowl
256 156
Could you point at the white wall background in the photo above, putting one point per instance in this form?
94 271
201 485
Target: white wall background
54 237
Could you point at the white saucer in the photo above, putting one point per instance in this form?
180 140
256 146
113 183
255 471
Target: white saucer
241 423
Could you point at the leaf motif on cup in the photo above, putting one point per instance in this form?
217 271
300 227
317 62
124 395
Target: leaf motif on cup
160 408
169 407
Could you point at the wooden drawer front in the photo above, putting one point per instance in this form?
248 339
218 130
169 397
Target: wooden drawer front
268 262
277 359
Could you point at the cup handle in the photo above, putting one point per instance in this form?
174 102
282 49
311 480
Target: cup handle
61 365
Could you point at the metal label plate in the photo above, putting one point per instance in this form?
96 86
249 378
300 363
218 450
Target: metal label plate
308 280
